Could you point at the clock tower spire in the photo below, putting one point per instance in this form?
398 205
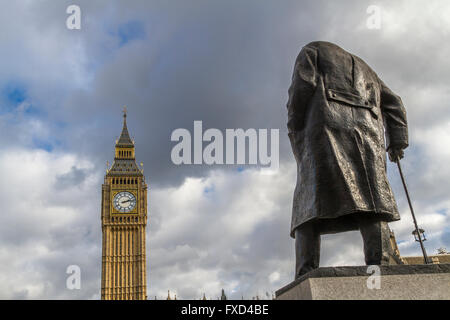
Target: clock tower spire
124 220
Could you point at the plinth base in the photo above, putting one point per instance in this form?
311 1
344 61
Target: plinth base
396 282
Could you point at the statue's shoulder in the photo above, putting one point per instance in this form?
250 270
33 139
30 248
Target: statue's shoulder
332 52
324 46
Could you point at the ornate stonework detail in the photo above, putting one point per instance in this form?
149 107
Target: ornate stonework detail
124 219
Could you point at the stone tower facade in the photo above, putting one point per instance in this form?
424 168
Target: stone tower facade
124 220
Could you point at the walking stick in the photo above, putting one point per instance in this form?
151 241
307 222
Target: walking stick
425 257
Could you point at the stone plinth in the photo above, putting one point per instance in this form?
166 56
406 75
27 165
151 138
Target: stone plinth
396 282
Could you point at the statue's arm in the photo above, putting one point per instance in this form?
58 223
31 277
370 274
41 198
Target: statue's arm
304 81
394 115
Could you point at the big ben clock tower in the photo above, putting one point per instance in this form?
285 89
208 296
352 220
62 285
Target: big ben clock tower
124 219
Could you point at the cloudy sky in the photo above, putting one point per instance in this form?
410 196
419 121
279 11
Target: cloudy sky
229 64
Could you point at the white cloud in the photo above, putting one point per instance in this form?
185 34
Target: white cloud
205 229
43 227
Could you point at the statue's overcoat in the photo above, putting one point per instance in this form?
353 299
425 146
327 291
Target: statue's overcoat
338 114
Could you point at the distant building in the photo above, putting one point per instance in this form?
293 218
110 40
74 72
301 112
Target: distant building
123 221
436 259
223 296
169 297
442 257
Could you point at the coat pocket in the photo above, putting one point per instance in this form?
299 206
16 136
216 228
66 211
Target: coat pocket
351 100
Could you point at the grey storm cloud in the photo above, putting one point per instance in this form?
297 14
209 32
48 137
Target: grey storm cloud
227 63
74 177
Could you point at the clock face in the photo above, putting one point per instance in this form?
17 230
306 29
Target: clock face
124 201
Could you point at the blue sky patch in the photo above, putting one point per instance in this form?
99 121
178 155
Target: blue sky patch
16 95
130 31
14 98
42 144
13 94
208 190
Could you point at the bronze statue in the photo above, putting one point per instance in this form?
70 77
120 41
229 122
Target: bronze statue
339 112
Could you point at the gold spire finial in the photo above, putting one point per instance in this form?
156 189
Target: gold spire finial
124 111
